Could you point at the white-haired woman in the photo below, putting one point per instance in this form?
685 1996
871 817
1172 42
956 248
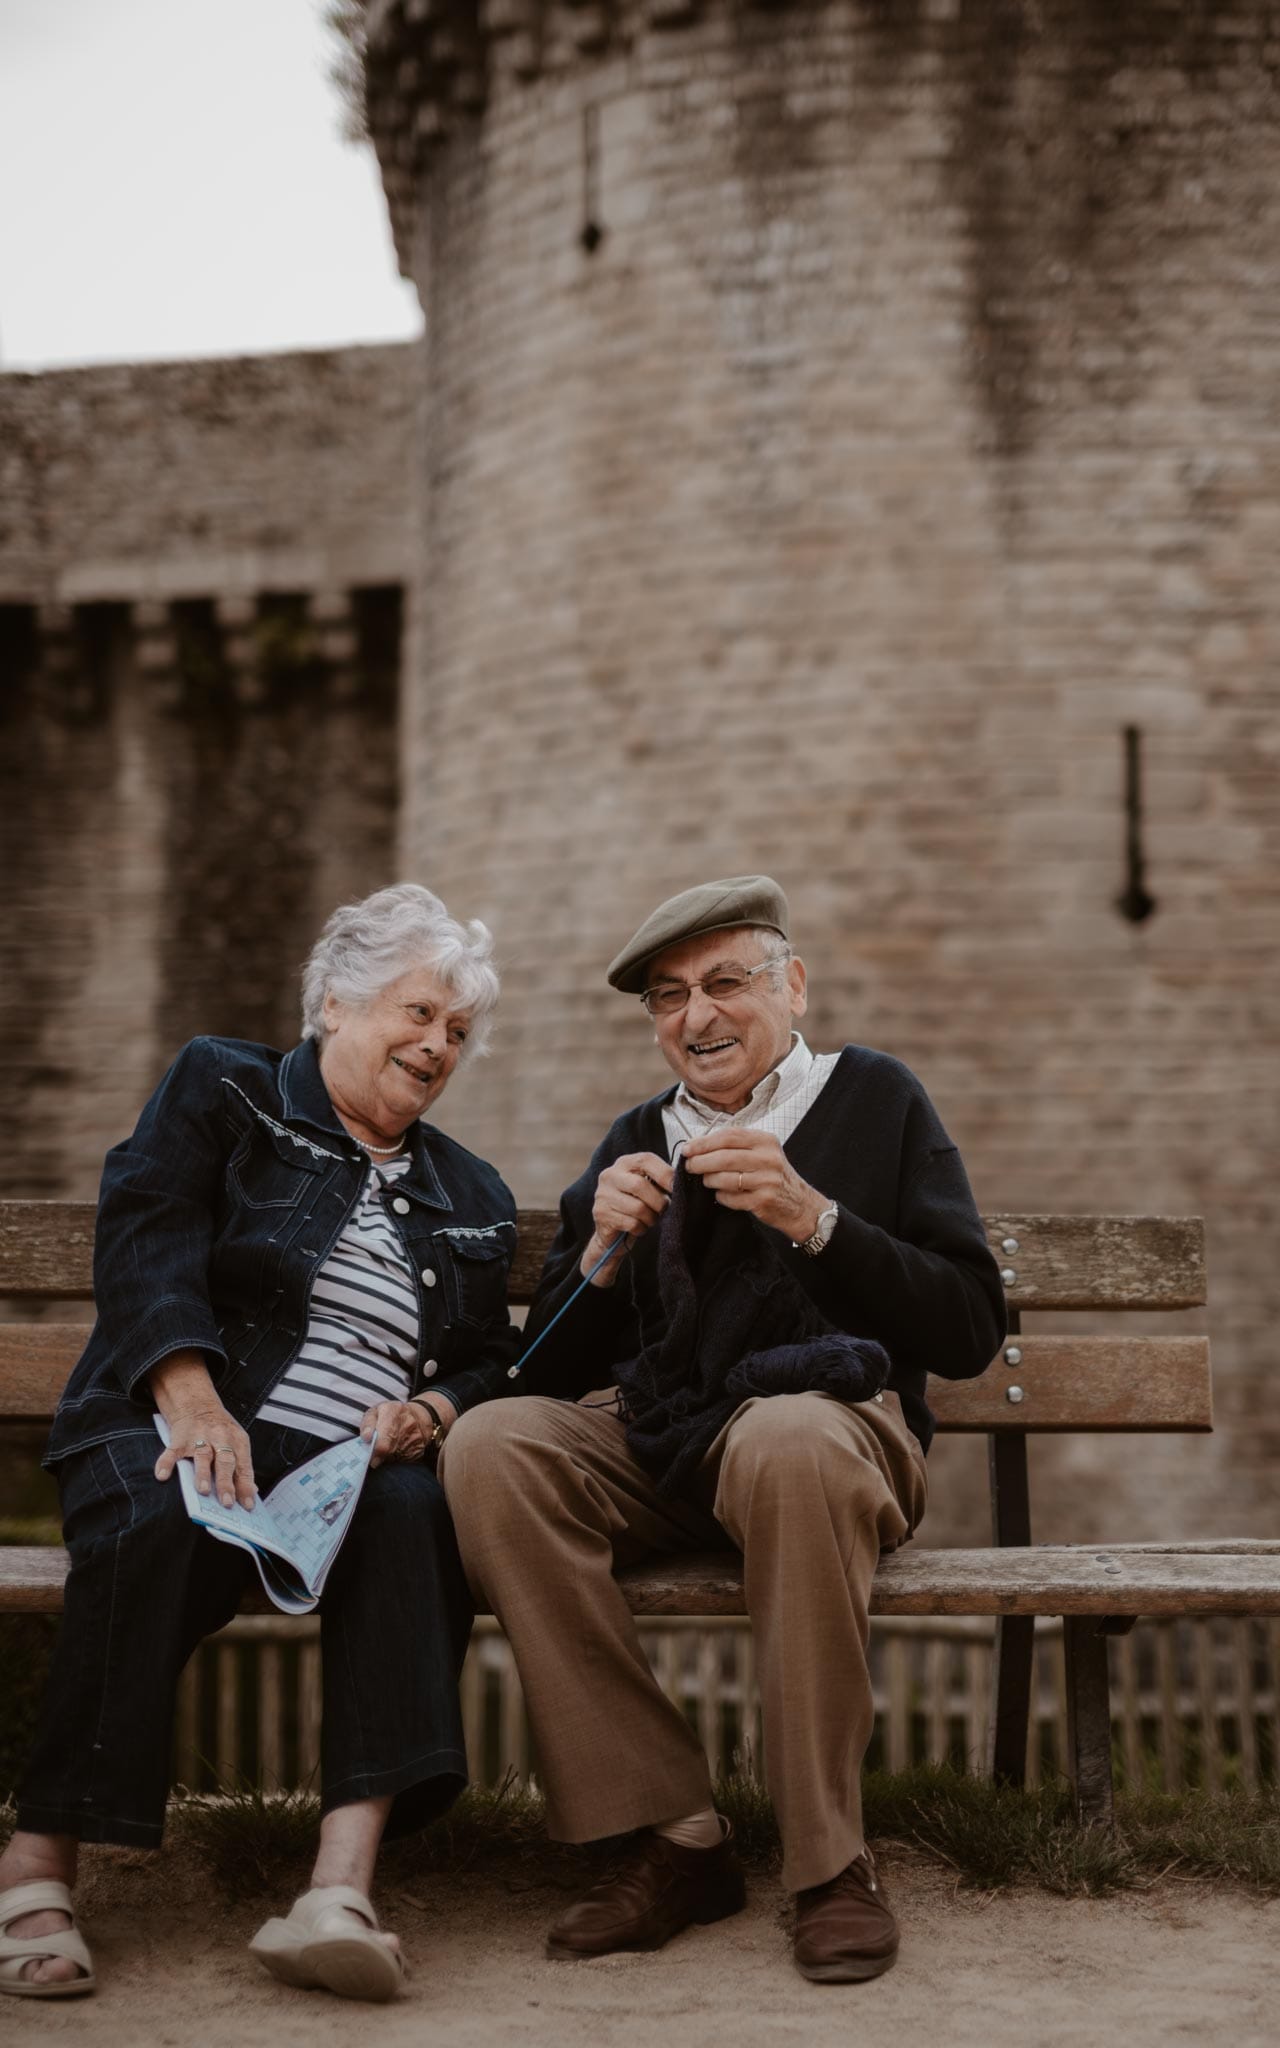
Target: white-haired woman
286 1254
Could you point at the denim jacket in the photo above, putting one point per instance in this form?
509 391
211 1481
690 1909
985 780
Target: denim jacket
216 1215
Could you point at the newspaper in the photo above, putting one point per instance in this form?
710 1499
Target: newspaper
294 1532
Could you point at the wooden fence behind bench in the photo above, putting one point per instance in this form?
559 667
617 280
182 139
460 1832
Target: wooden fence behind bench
1192 1703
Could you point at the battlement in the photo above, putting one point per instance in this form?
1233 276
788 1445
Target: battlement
431 66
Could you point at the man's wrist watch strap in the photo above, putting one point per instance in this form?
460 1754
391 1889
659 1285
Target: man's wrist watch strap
823 1232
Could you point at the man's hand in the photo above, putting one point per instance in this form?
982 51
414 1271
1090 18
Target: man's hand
404 1428
201 1429
749 1170
630 1197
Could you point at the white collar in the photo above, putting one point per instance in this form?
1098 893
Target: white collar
781 1082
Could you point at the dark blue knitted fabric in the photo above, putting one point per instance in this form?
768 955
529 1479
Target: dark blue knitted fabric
738 1324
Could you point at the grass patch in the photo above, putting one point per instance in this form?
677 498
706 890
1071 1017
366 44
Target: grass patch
253 1841
44 1530
498 1824
1228 1834
744 1801
1078 1862
983 1832
992 1837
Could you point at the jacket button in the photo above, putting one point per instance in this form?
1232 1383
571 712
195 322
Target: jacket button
428 1277
430 1369
400 1206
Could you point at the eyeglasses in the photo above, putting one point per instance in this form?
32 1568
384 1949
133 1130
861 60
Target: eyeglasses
669 997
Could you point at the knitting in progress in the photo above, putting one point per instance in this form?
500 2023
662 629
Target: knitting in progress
739 1324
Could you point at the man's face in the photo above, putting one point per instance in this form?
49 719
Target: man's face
722 1049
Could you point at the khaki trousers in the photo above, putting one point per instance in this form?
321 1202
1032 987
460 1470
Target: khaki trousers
547 1500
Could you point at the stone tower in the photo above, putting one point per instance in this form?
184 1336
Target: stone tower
844 421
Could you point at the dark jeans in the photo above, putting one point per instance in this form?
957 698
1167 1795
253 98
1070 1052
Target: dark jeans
145 1585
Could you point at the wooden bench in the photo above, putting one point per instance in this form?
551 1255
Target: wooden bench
1038 1383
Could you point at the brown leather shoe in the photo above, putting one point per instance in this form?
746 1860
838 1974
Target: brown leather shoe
844 1928
655 1890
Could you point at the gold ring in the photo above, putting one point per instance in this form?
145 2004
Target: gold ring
739 1183
225 1450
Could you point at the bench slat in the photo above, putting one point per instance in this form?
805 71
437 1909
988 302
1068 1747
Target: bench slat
35 1361
1101 1261
1048 1579
535 1230
1095 1383
46 1250
31 1578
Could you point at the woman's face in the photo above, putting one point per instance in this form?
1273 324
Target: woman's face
384 1062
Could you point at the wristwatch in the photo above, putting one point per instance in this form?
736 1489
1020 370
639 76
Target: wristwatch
439 1432
822 1234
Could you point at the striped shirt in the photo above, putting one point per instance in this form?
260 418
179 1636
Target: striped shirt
777 1103
361 1344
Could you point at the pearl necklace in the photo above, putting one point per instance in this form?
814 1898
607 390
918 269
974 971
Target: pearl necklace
381 1151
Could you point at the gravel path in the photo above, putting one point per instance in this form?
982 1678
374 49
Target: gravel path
1181 1963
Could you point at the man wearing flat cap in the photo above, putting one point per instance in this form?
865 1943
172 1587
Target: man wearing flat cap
780 1247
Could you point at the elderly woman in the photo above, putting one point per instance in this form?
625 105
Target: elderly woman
286 1255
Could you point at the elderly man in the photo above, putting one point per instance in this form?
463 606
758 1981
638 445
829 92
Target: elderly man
747 1366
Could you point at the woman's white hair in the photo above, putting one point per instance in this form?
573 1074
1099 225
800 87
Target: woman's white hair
366 945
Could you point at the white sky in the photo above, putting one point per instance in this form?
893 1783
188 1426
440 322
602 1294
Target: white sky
174 182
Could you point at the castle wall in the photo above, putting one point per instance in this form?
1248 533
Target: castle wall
193 479
201 570
907 436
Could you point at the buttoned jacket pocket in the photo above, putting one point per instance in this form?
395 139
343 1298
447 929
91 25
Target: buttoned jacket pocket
476 1263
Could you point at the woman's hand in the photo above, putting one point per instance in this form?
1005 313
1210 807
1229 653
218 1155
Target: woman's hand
201 1429
749 1170
404 1428
630 1197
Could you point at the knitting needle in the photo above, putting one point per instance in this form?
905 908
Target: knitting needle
514 1371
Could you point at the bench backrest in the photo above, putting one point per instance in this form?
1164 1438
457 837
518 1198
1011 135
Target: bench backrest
1037 1383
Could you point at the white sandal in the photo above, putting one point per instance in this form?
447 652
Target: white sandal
319 1947
42 1895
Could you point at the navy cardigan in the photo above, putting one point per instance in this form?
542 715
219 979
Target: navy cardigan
908 1263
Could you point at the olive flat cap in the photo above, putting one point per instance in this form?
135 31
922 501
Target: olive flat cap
711 907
